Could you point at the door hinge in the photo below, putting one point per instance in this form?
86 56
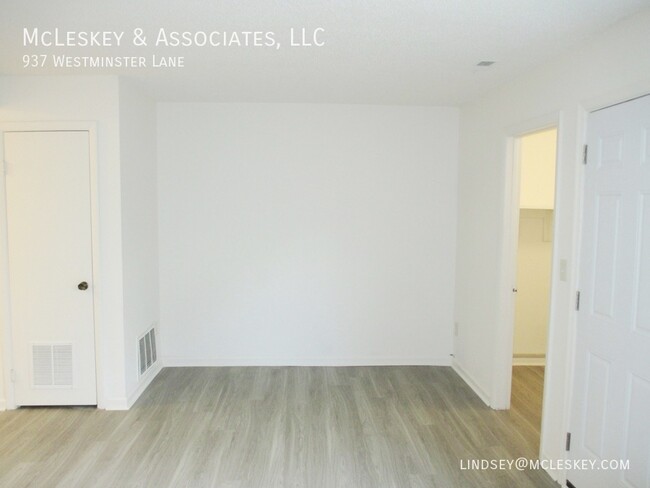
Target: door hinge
12 375
584 154
568 441
577 300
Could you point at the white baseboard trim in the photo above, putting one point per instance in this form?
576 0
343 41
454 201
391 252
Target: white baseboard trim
184 361
529 360
145 381
470 382
115 403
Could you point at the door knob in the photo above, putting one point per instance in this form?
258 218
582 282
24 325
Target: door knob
83 285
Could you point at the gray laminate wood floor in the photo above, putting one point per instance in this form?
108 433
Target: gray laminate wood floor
526 399
274 427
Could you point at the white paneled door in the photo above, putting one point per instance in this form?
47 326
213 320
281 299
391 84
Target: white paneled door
611 406
50 267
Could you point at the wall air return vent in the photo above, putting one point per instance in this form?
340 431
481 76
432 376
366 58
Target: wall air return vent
147 354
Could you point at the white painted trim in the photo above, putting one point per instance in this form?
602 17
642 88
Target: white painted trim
185 361
3 405
548 407
5 333
529 361
145 381
6 339
467 378
95 233
116 403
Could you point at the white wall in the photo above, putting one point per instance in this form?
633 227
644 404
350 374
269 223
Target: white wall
306 234
62 98
533 283
139 226
610 67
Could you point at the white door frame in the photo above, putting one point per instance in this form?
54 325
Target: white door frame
6 342
500 398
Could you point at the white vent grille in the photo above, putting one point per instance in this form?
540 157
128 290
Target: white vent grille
42 365
147 351
154 355
51 365
142 356
62 364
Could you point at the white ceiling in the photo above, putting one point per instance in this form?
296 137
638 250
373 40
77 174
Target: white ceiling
383 52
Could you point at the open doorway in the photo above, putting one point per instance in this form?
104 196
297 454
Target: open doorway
537 155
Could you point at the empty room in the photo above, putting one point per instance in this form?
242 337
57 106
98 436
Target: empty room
325 244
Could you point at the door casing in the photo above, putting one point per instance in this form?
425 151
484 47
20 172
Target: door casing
6 342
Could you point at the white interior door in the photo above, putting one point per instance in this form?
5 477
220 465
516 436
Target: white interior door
50 258
611 406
